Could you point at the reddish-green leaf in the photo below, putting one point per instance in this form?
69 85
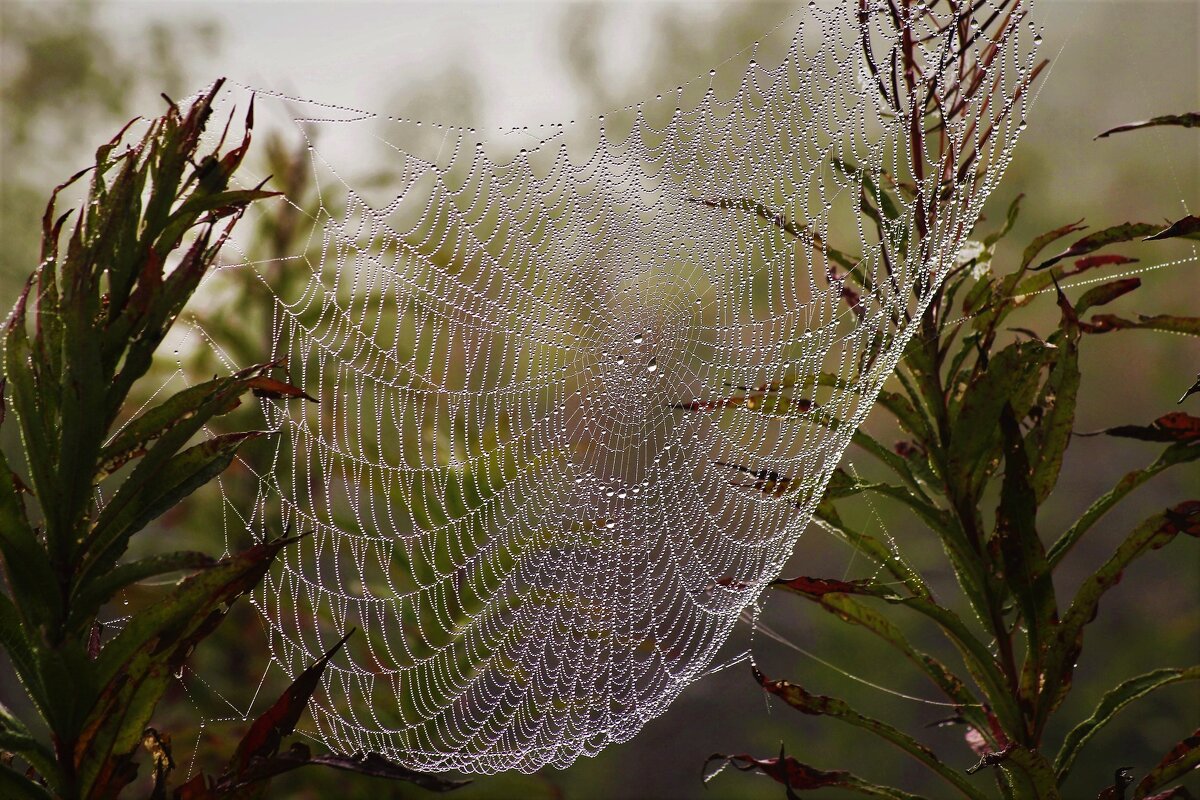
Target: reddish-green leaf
797 776
1040 242
820 705
1155 532
1179 761
834 597
272 389
194 405
135 668
1103 323
1174 427
816 587
1116 234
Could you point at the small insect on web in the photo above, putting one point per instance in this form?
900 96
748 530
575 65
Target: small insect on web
574 409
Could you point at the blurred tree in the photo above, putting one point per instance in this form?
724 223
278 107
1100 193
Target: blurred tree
61 79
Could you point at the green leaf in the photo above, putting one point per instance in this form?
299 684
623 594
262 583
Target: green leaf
88 602
821 705
1110 705
31 579
1010 219
1115 234
1175 454
1026 571
1153 533
221 202
178 478
17 787
21 652
849 610
195 405
34 407
1051 434
826 517
1011 378
975 654
1189 120
15 738
1039 243
135 668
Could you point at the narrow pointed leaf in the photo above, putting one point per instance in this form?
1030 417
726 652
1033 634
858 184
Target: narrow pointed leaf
1188 228
1168 323
1155 532
370 764
1110 705
821 705
1179 761
135 668
1189 120
1174 427
267 732
88 602
1115 234
177 479
1179 453
1106 293
192 405
798 776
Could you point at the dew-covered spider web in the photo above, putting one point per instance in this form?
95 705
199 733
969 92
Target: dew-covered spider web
576 402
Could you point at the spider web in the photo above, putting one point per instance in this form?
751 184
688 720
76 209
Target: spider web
574 410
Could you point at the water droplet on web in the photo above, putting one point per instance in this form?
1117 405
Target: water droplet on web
637 338
620 360
652 366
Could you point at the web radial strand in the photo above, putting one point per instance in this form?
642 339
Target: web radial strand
575 411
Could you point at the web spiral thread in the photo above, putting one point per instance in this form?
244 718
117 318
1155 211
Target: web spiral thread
574 413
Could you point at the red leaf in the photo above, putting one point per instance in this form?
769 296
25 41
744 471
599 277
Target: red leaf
1177 426
276 390
264 736
1183 518
1103 260
819 586
1176 793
